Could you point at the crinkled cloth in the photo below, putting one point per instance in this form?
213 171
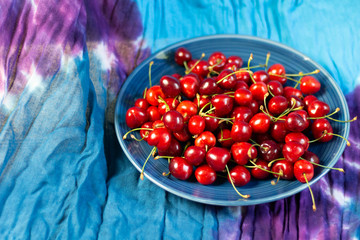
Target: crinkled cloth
62 173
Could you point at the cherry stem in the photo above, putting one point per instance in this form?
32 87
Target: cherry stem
303 74
250 58
272 161
232 183
147 159
265 170
211 68
202 109
136 139
241 70
293 101
278 178
136 129
297 84
186 66
144 95
266 109
197 62
226 119
166 105
210 110
158 157
319 165
224 139
311 193
327 116
267 60
336 120
270 91
268 114
150 65
337 135
165 174
315 140
289 78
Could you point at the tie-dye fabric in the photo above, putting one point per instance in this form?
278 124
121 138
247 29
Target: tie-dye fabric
62 173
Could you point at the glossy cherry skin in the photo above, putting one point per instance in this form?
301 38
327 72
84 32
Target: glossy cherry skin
318 108
180 168
175 149
158 124
171 102
290 91
260 123
296 102
242 114
161 138
243 97
208 87
211 123
189 85
243 76
153 94
201 102
278 105
242 152
309 99
278 131
311 157
217 158
241 84
223 104
304 116
145 133
195 155
309 85
292 151
277 69
301 168
254 106
170 86
205 140
135 117
187 109
225 81
261 76
217 61
298 137
177 76
319 126
196 125
240 176
287 168
184 135
201 69
275 88
258 90
241 131
235 59
259 173
153 113
295 123
205 175
142 103
182 55
269 150
173 120
225 134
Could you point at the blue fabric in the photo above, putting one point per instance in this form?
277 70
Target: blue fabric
62 173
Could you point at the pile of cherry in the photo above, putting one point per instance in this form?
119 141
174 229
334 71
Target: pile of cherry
223 118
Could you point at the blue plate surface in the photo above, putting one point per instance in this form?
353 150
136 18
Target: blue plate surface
222 193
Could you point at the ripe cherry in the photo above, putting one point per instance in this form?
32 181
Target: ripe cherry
153 94
292 151
153 113
173 120
260 123
189 85
208 87
243 76
309 85
241 131
242 152
304 116
254 106
175 149
318 128
224 138
182 55
170 86
211 122
217 158
142 103
309 99
223 104
196 125
278 131
201 68
187 109
311 157
277 69
295 123
135 117
258 90
195 155
235 59
242 114
225 81
240 176
278 105
269 150
258 172
205 175
261 76
290 91
180 168
304 172
284 167
275 88
161 138
298 137
184 135
318 108
217 61
241 84
206 140
243 97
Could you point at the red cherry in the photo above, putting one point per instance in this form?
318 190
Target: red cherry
261 76
205 140
184 135
277 69
158 124
153 113
260 123
177 76
241 84
235 59
201 69
298 137
278 105
227 82
173 120
205 175
290 91
318 128
187 109
208 87
285 167
182 55
278 131
240 176
153 94
201 102
189 85
243 97
241 131
254 106
196 125
295 123
309 99
301 168
217 158
257 172
161 138
242 114
318 109
171 102
275 88
195 155
175 149
211 123
292 151
142 103
225 134
145 133
135 117
217 61
304 116
223 104
311 157
269 150
243 76
309 85
242 152
180 168
170 86
258 90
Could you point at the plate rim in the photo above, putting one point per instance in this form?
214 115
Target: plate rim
240 202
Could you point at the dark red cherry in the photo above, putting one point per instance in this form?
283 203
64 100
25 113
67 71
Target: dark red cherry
142 103
309 99
243 97
223 104
170 86
225 134
187 109
208 87
225 81
205 175
195 155
180 168
217 61
211 122
292 151
153 94
217 158
261 76
241 131
295 123
182 55
173 120
318 109
184 135
153 114
277 69
235 59
278 105
305 116
298 137
175 149
176 75
285 167
196 125
242 114
290 91
309 85
275 88
201 69
258 90
189 85
242 152
241 84
301 168
161 138
260 123
240 176
243 76
311 157
254 106
205 140
318 128
201 102
278 131
269 150
135 117
298 102
258 172
145 133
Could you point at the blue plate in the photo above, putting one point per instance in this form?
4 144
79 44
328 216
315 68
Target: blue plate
223 193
